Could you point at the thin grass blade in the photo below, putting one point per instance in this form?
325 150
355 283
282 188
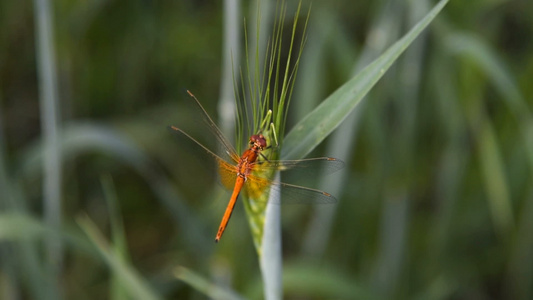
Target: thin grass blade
203 285
137 287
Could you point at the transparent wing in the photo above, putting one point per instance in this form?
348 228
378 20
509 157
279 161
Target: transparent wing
290 194
234 157
227 159
326 165
257 185
224 147
227 171
227 174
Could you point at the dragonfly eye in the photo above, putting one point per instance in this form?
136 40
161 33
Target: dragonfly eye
262 141
258 140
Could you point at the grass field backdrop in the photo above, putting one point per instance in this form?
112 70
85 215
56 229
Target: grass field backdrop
99 200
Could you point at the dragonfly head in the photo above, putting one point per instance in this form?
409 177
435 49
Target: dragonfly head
258 141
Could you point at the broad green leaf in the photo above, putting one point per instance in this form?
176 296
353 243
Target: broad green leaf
314 128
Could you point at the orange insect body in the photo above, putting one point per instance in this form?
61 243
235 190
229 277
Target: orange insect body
244 168
236 172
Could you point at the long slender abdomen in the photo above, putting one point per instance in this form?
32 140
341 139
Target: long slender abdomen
229 209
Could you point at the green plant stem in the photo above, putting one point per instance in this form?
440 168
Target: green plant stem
271 257
230 58
49 121
7 265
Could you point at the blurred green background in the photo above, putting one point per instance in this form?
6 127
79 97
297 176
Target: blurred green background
435 202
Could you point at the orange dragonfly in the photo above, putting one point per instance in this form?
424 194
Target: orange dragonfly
243 173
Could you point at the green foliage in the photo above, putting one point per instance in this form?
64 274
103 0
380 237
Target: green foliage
270 94
435 201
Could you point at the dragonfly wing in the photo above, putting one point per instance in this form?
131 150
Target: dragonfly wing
290 194
227 174
226 171
324 165
224 146
232 155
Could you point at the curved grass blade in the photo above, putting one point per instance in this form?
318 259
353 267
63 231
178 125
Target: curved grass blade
16 225
468 45
24 228
314 128
118 236
80 138
203 285
133 282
